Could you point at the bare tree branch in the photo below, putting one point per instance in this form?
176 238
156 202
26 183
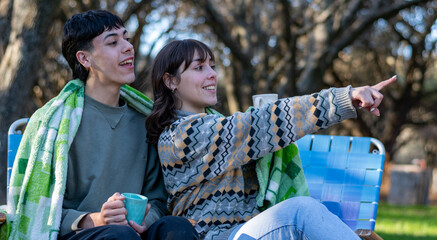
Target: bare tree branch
218 25
359 27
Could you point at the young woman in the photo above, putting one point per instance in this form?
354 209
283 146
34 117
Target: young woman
208 160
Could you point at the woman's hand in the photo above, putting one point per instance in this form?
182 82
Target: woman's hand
369 98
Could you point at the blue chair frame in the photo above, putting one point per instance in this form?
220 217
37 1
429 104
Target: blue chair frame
14 139
342 172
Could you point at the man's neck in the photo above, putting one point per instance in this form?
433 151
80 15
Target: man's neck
108 95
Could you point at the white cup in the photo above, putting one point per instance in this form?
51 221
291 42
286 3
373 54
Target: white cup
260 100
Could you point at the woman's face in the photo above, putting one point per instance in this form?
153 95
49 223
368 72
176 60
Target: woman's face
197 87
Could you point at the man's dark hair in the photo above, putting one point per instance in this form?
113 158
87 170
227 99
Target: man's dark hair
80 30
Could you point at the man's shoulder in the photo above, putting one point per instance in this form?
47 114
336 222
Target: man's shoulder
42 111
135 112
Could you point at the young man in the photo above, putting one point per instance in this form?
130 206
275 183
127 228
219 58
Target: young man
88 145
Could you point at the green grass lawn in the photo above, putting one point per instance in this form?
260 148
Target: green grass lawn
406 222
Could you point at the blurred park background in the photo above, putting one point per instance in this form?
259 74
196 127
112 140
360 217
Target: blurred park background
291 47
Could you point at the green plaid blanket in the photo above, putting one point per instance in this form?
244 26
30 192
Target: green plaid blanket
38 178
280 176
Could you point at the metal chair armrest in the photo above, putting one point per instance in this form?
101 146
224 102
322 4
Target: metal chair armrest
2 218
367 234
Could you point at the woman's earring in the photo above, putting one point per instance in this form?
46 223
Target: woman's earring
172 90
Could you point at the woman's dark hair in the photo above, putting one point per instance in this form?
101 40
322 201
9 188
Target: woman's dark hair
168 60
78 33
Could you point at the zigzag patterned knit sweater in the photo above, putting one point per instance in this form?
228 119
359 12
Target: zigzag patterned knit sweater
207 160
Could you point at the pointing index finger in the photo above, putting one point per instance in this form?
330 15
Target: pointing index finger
385 83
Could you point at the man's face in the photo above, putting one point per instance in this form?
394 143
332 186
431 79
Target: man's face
111 61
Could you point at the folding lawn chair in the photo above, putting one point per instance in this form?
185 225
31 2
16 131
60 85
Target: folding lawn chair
345 173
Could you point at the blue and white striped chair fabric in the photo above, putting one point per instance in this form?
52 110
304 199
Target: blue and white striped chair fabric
345 174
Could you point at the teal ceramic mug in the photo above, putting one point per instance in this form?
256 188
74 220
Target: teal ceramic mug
136 206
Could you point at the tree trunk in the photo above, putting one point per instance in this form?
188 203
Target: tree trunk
5 24
30 24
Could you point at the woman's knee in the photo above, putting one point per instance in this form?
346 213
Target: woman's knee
304 203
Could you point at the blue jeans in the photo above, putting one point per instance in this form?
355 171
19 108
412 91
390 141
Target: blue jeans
295 218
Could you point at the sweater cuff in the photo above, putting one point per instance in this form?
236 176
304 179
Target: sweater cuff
344 101
70 220
75 225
